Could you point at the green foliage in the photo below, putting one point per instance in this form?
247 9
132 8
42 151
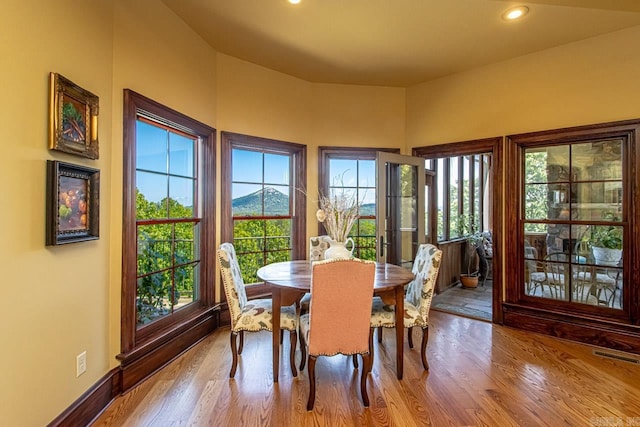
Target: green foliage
606 236
164 255
535 196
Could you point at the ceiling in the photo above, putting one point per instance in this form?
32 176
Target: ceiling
393 42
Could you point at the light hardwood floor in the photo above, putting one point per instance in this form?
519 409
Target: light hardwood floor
480 375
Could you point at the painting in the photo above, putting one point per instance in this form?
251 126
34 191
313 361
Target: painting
73 210
73 121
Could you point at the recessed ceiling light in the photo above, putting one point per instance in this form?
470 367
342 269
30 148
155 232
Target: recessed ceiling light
515 13
294 1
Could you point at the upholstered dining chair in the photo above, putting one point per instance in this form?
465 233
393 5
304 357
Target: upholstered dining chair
417 300
318 245
339 316
250 315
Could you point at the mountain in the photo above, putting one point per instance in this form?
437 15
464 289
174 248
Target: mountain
275 203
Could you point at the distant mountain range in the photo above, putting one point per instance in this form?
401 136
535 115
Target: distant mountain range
275 203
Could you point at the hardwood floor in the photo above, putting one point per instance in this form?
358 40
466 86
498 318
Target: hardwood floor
480 375
476 303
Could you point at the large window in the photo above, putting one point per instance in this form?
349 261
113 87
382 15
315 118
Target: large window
168 217
353 171
573 226
263 201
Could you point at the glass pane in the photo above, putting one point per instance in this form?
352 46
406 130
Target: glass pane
278 256
154 248
151 147
367 199
153 299
440 189
466 183
246 166
547 201
367 173
598 200
557 163
247 235
152 189
181 158
595 285
557 239
185 277
278 243
454 200
181 194
276 169
342 172
276 200
246 199
278 228
535 165
185 245
597 160
249 265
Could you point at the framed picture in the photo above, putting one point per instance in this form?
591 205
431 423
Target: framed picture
73 118
73 203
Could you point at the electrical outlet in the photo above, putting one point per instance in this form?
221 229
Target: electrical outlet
81 363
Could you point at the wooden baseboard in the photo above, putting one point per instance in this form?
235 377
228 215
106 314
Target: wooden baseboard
134 369
607 334
92 402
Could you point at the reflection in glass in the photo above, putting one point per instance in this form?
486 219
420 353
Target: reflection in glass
181 158
181 194
151 147
276 169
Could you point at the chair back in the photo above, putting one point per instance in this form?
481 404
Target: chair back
232 281
425 268
556 264
318 245
340 308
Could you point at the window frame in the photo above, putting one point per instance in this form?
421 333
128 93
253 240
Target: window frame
629 132
132 337
231 140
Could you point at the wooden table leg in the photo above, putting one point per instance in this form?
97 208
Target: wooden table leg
276 296
399 330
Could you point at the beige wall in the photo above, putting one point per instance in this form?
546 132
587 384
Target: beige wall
60 301
55 299
590 81
257 101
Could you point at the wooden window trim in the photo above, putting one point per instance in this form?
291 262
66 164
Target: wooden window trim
132 339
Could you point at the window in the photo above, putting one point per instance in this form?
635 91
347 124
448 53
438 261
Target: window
573 226
353 170
169 219
263 201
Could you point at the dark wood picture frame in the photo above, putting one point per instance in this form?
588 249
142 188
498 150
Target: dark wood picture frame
73 203
73 118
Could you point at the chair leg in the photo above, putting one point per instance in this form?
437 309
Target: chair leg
355 361
303 352
423 348
380 333
281 336
241 342
292 353
234 354
368 368
366 361
410 337
312 382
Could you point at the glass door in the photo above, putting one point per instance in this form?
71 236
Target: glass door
400 208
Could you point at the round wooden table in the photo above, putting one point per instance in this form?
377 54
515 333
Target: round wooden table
289 280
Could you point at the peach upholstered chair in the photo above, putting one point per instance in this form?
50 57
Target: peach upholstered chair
339 316
251 316
417 300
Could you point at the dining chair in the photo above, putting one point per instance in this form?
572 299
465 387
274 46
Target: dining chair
318 245
417 300
338 318
250 315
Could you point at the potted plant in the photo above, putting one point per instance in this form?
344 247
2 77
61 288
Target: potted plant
606 242
473 240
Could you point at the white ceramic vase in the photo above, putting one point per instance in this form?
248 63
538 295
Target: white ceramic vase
339 249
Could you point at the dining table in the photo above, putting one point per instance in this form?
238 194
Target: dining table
290 280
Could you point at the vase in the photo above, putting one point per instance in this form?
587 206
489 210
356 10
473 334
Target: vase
339 249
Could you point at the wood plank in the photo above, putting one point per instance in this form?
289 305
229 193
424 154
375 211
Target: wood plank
481 374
